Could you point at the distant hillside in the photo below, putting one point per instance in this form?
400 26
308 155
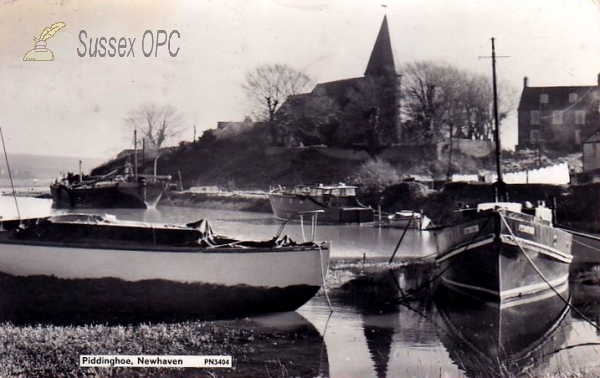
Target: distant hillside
243 168
41 168
245 163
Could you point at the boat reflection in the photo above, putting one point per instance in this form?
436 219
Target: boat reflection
484 339
586 299
376 294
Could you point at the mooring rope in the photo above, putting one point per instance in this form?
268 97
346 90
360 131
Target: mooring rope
582 234
323 345
543 277
302 228
313 231
323 277
400 241
586 245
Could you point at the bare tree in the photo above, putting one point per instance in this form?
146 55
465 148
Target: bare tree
429 92
441 101
156 124
269 86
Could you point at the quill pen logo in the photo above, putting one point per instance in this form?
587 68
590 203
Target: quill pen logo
41 52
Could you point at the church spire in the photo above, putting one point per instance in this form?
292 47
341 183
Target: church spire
381 62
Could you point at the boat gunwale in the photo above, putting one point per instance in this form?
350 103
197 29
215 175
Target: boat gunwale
168 248
507 239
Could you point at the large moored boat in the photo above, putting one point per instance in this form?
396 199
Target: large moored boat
504 251
338 203
79 268
113 190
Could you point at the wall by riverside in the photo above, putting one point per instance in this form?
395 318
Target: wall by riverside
420 152
468 147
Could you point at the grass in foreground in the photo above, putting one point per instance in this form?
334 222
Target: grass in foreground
52 351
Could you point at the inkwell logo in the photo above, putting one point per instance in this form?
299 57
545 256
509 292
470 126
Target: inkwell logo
40 52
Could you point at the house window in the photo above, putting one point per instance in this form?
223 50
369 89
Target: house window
535 117
557 117
577 136
544 98
534 136
580 117
572 97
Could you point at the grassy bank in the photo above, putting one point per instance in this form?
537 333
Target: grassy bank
50 351
294 347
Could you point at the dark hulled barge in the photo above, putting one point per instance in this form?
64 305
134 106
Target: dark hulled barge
338 203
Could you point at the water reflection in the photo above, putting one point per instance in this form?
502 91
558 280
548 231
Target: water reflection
484 339
394 305
412 328
586 298
378 329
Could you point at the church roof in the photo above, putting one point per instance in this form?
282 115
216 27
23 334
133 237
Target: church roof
381 62
337 90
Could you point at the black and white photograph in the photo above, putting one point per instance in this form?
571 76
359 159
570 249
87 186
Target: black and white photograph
300 188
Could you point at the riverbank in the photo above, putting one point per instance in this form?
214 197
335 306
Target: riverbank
240 201
577 207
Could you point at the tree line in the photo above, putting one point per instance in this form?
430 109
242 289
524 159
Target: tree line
434 101
428 103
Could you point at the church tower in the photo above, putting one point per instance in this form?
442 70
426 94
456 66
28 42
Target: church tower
373 100
382 68
381 62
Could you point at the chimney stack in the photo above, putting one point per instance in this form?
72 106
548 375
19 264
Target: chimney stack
526 81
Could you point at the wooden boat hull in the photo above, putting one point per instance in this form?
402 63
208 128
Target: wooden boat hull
124 194
58 281
504 260
286 206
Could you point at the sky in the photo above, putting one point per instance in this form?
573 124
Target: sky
74 106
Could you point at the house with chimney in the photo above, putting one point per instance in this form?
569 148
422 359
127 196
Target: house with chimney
558 118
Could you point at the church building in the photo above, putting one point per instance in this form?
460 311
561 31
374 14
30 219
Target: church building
368 105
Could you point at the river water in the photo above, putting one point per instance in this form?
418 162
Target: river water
372 334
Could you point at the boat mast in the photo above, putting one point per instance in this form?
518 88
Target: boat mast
14 193
135 163
500 186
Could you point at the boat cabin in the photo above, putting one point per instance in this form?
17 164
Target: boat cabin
340 190
539 211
